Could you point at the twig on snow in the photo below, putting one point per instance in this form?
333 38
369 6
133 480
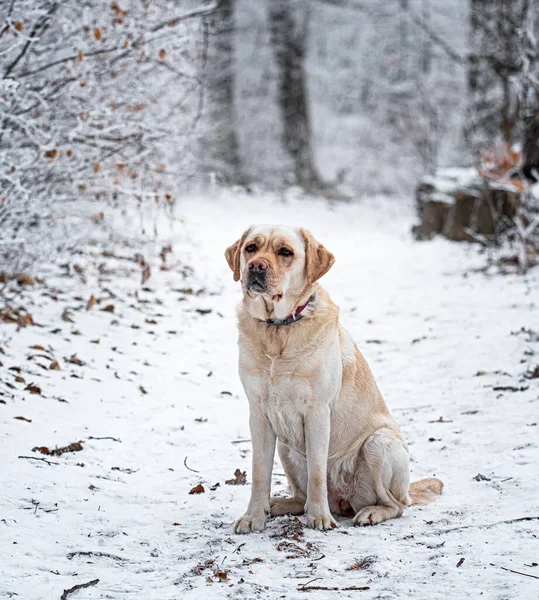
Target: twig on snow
49 462
79 586
189 468
484 526
517 572
305 587
91 437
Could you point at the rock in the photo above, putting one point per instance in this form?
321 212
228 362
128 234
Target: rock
458 203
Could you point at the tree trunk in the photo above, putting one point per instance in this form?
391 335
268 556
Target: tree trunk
288 38
530 148
220 148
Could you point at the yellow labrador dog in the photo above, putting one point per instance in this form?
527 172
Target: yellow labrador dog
310 388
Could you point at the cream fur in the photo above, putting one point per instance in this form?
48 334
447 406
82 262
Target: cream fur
310 389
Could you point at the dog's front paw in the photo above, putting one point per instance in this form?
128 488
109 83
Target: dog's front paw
249 523
320 520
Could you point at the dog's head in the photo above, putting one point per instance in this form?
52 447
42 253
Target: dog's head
275 261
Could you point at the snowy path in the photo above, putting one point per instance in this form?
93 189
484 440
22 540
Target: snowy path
159 376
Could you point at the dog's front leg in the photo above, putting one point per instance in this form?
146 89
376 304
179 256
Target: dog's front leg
317 424
263 439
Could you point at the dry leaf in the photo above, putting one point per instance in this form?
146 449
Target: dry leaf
97 167
91 303
51 154
221 575
33 389
80 56
239 479
162 53
108 308
25 279
146 274
54 366
75 361
176 524
19 26
97 34
74 447
198 489
23 419
42 449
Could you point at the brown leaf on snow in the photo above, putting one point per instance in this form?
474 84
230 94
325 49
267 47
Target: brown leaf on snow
25 279
97 33
42 449
75 361
146 274
91 302
54 366
198 489
142 389
239 479
19 379
23 419
33 389
74 447
221 575
176 524
108 308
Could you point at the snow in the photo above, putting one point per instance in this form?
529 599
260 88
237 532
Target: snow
439 332
446 182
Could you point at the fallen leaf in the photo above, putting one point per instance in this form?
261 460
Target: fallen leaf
23 419
146 274
239 479
142 389
33 389
176 524
74 447
19 379
221 575
54 366
460 562
42 449
198 489
37 347
75 361
109 308
25 279
91 302
97 33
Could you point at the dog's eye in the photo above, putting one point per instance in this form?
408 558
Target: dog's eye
285 252
250 248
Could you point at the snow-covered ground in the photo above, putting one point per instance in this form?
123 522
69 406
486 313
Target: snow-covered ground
159 408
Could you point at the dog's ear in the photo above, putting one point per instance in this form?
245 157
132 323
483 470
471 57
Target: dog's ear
318 260
233 254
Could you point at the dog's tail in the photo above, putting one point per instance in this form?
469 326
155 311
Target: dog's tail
425 490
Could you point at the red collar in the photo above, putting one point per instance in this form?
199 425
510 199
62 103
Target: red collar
293 317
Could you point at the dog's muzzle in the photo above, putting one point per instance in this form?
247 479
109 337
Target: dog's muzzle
257 282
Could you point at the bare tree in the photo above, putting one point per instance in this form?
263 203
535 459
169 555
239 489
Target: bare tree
501 69
288 34
220 148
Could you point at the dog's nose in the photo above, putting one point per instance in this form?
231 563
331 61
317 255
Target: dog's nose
258 265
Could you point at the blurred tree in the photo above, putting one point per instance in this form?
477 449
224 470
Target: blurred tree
501 70
288 34
220 150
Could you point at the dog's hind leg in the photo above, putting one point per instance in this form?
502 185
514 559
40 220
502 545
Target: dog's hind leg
381 493
295 467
